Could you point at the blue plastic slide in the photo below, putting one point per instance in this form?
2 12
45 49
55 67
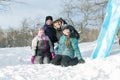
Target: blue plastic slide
108 31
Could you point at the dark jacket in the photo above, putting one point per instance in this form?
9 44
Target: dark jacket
51 33
59 33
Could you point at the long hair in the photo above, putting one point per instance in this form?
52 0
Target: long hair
68 41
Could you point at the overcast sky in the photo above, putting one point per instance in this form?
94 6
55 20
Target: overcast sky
32 9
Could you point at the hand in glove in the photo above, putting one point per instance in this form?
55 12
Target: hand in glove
81 61
32 59
53 55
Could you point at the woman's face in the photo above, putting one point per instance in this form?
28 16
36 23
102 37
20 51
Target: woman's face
40 32
48 22
57 24
66 32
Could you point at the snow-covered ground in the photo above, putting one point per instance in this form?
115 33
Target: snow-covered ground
15 65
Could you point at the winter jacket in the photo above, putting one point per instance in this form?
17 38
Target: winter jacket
73 51
51 33
41 47
59 33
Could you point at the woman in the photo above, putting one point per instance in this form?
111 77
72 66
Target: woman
68 53
42 49
58 27
59 24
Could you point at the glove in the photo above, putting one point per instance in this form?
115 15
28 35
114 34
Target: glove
81 61
53 55
32 59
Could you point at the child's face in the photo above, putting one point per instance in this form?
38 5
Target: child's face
48 22
57 24
66 32
40 32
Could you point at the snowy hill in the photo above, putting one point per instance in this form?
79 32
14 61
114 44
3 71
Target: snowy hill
15 65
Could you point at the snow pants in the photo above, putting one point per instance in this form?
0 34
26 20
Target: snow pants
64 60
41 60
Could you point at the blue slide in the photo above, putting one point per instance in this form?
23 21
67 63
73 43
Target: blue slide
108 31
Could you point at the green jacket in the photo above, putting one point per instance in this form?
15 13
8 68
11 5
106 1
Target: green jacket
72 52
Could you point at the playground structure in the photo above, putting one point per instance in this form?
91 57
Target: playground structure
108 31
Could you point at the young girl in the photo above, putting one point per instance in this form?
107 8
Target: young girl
68 52
42 48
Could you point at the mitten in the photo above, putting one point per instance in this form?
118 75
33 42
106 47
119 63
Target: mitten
53 55
81 61
32 59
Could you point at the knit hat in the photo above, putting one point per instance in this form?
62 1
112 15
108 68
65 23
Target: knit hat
61 20
57 20
49 18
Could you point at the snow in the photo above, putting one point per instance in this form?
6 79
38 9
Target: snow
15 65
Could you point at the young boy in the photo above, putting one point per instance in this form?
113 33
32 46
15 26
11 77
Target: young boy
49 29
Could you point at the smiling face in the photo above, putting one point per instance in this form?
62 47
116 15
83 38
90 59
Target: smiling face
40 32
57 24
66 32
48 22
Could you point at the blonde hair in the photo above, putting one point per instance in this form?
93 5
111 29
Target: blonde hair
68 41
41 28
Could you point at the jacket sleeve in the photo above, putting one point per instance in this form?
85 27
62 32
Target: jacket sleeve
59 49
34 46
51 46
51 33
74 43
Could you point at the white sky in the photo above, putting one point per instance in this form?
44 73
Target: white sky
32 9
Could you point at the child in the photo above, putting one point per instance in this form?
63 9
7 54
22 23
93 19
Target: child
42 48
68 53
49 29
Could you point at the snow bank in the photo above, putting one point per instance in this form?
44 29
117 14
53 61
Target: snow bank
16 66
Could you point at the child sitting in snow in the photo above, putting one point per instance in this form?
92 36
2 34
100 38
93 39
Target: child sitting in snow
42 49
68 53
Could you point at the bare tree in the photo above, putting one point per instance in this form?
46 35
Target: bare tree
2 38
5 4
91 12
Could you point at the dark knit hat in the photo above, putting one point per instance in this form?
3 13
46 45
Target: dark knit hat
73 31
49 18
